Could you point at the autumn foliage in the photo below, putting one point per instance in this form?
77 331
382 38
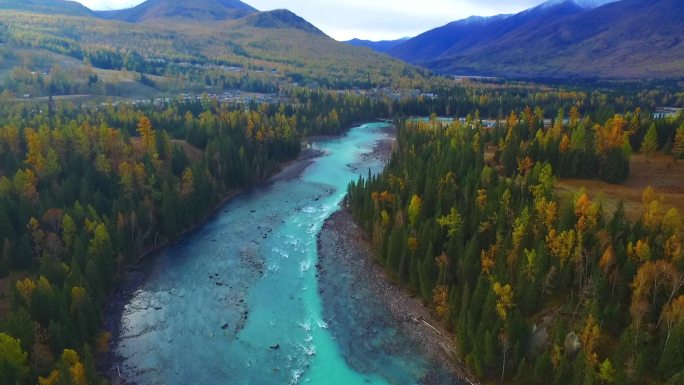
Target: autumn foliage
538 289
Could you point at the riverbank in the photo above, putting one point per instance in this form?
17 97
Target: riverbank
134 274
295 168
343 251
272 222
350 280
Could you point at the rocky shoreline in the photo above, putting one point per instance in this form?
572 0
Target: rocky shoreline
133 278
344 251
295 168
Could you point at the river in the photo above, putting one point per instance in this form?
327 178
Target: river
237 301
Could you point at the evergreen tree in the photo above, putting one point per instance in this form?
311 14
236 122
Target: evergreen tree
678 146
650 143
13 361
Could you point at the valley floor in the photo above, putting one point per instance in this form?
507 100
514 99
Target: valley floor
659 172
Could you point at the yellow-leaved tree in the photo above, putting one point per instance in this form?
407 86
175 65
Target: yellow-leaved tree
504 299
414 209
13 363
146 133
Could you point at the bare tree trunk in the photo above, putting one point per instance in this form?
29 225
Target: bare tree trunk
676 285
503 366
504 344
669 331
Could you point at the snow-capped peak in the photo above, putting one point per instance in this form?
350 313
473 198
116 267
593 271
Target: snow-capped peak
481 20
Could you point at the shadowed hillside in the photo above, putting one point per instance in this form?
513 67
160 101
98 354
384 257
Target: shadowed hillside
628 38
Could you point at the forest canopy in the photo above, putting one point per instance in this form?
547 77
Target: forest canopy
538 288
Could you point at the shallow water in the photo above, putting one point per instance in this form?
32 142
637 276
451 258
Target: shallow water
237 301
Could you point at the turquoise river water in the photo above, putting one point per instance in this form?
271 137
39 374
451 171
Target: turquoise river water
237 301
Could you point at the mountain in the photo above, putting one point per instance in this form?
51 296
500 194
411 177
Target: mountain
476 31
431 44
498 28
51 7
280 18
201 45
378 46
628 38
203 11
585 4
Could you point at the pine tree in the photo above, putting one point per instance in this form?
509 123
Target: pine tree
678 146
650 143
12 361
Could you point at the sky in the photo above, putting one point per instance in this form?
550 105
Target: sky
370 19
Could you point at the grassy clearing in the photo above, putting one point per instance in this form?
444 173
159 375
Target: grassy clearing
666 177
194 153
660 172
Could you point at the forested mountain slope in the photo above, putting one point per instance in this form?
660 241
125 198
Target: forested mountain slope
627 38
53 7
277 44
200 11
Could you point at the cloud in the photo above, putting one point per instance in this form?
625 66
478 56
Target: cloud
371 19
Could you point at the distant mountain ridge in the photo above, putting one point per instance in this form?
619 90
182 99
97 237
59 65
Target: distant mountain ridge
162 36
559 38
199 11
281 18
50 7
585 4
426 46
379 46
204 10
